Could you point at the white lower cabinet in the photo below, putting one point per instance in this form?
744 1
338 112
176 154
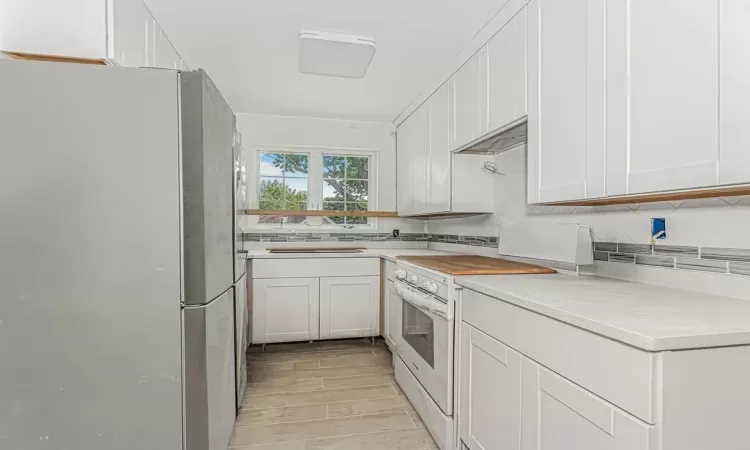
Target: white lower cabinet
559 415
509 401
349 307
306 299
490 392
286 310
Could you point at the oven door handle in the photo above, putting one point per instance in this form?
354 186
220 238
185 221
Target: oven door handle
423 302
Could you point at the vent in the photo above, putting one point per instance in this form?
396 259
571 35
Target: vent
335 54
500 141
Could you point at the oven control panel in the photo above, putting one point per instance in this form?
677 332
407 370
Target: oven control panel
422 282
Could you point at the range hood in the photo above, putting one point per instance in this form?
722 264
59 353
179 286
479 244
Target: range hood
498 141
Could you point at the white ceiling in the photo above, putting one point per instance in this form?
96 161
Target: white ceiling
249 48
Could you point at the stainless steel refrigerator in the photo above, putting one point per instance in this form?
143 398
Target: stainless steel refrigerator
117 259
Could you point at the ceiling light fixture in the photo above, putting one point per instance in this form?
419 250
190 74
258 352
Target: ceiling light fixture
335 54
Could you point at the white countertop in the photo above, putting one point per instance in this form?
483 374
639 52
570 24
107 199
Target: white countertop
387 253
648 317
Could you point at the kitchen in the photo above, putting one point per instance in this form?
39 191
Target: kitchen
316 225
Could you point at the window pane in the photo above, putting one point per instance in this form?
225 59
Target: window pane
330 206
334 166
296 191
356 191
362 206
283 164
333 190
272 193
296 166
357 167
335 207
271 164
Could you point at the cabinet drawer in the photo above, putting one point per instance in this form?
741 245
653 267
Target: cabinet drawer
622 375
315 267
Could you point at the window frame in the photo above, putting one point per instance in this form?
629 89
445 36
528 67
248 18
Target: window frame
315 185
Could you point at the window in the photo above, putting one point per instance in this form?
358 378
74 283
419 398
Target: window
318 179
283 184
345 187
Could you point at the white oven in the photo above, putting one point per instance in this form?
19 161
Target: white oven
423 335
425 343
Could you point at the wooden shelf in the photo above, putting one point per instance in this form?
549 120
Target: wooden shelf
316 213
56 58
730 191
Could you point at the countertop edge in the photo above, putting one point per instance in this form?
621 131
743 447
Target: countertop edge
641 342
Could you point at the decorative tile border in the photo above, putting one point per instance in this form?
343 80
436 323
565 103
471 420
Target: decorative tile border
704 259
476 241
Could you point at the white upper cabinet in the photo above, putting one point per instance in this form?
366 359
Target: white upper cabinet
413 153
469 91
122 32
420 154
506 57
663 93
439 161
411 145
566 98
734 104
559 415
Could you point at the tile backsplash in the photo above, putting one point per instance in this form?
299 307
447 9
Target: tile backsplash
704 259
475 241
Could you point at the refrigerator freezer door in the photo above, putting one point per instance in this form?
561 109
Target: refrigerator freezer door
209 374
207 176
90 336
241 339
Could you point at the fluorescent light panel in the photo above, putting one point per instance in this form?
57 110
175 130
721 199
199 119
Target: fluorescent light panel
335 54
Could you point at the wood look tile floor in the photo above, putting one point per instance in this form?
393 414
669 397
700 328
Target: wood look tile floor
335 395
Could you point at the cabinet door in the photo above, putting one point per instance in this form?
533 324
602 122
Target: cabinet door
735 92
559 415
285 310
566 100
420 153
490 392
405 182
349 307
413 152
663 95
439 160
506 58
469 92
131 36
393 335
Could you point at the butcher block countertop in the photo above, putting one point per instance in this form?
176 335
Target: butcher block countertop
474 265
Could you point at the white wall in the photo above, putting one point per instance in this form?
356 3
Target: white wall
718 222
78 26
300 132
